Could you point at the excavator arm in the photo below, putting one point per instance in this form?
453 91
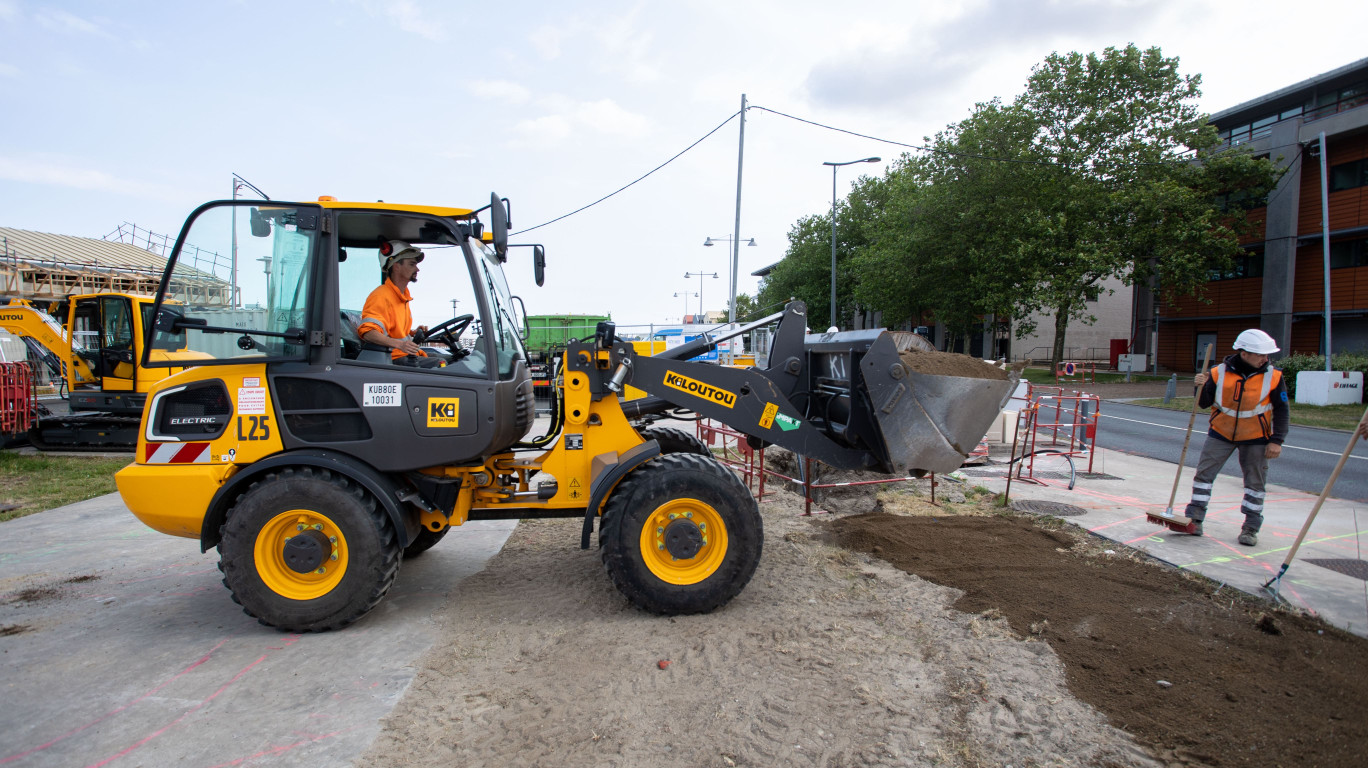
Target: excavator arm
64 356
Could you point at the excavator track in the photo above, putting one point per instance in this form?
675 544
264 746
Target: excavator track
86 432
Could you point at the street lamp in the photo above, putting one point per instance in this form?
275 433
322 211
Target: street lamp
834 166
736 256
686 296
239 184
700 276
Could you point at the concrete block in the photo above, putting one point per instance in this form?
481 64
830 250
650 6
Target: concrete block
1329 387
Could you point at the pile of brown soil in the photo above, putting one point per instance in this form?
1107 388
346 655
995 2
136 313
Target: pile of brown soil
950 364
1202 675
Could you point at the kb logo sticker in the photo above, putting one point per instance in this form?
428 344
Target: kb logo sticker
443 412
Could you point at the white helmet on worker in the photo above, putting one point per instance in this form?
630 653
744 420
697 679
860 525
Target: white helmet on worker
1256 342
394 250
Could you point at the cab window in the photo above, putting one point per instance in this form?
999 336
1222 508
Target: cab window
238 286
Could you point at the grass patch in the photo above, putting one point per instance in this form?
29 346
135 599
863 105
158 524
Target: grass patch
37 482
1344 417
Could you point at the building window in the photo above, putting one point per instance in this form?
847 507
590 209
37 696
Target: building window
1349 253
1246 265
1330 102
1349 175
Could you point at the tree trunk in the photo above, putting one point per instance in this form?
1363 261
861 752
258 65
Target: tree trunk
1061 326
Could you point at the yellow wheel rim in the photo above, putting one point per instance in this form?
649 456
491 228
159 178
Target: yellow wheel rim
284 580
703 563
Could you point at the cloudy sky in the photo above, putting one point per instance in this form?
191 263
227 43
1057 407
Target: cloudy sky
139 111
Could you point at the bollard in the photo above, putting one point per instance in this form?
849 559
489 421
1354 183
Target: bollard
1171 391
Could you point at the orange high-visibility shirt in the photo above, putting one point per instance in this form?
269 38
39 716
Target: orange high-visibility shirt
386 310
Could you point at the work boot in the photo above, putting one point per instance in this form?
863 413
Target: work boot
1248 537
1196 528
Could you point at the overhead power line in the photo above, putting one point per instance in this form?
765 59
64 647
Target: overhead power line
634 181
917 147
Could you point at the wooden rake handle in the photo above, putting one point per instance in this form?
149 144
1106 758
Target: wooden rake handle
1344 457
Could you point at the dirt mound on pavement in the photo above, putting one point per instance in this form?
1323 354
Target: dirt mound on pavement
1201 675
950 364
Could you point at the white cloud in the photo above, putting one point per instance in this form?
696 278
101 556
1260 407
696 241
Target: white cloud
605 116
8 10
933 62
567 117
59 174
408 17
502 91
8 70
547 39
61 21
550 129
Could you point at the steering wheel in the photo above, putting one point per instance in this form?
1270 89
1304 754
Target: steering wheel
449 332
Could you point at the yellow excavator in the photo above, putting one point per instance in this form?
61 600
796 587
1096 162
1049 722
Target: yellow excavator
317 463
93 354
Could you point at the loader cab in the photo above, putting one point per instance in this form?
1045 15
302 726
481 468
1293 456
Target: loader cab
280 290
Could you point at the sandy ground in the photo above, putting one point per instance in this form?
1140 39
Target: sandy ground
828 658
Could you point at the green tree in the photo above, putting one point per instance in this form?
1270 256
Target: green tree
1120 130
945 241
1102 169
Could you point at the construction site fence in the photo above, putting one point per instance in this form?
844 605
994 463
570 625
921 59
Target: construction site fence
733 449
16 398
1055 422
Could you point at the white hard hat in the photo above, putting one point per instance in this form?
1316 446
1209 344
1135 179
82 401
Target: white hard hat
393 250
1256 342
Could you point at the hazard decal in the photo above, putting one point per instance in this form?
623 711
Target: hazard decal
176 453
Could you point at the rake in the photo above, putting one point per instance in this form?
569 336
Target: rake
1291 553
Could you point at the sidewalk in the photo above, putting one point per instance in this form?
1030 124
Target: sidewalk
1319 580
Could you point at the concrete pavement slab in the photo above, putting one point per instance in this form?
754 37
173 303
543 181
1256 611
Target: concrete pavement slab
1117 509
120 646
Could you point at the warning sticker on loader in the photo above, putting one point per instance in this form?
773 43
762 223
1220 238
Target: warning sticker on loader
444 412
699 389
767 418
786 423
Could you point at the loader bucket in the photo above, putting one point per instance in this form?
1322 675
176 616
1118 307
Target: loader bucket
928 422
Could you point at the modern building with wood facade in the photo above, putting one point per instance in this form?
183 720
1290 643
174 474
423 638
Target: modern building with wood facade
1277 285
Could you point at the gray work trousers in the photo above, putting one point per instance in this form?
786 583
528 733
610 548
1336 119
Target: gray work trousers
1254 465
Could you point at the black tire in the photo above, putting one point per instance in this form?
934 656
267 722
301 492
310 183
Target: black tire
676 441
423 542
270 513
699 490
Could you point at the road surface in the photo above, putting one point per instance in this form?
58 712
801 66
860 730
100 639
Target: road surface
1309 455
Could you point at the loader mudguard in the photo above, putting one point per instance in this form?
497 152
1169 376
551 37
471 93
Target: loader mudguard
608 479
375 483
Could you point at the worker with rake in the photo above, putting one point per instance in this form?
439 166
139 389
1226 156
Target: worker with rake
1249 416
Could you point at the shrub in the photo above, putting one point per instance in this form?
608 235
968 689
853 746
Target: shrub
1294 364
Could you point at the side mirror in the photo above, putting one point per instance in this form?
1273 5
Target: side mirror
498 218
167 320
261 226
539 264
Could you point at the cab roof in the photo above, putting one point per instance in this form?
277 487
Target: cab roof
430 210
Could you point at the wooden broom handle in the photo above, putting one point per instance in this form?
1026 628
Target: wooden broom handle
1192 419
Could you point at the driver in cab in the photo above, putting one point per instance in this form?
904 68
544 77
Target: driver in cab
385 318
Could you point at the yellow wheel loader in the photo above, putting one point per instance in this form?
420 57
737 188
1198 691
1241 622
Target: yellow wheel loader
316 462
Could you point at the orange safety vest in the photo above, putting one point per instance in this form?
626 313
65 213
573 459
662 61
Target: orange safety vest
1242 406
